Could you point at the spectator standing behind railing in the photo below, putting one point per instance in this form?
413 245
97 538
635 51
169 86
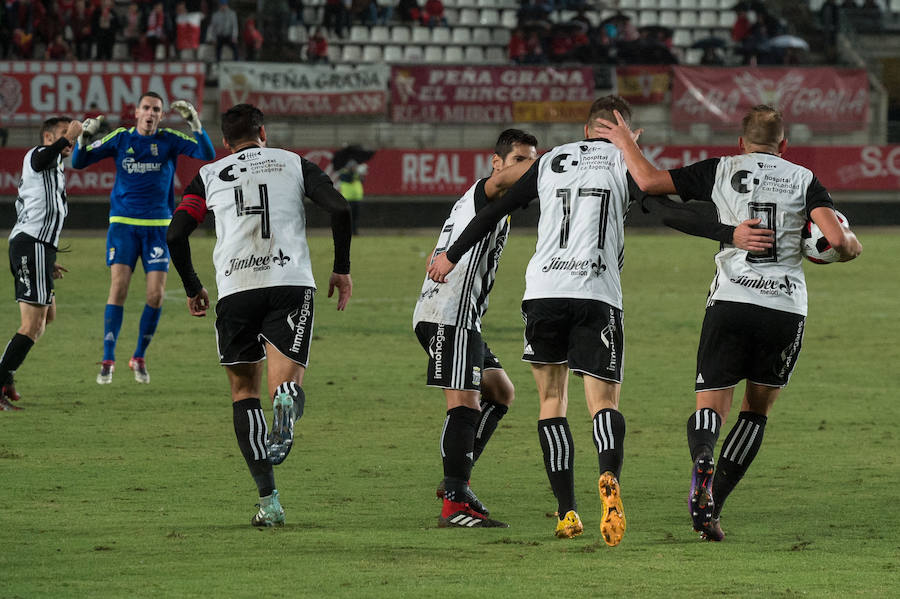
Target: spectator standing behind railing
156 29
408 11
253 39
187 32
105 25
434 14
317 47
132 31
58 49
223 29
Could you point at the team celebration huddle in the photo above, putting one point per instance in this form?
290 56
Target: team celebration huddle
767 214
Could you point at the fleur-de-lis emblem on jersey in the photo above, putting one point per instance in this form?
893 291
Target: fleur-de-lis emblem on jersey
281 259
787 286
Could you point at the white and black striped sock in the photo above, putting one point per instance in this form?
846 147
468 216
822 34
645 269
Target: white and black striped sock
609 439
703 432
740 447
559 460
250 430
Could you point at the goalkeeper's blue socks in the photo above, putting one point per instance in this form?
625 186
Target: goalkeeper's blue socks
149 321
112 323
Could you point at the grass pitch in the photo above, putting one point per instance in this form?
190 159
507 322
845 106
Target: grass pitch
129 490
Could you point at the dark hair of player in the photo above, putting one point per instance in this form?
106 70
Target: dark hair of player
241 123
150 95
509 137
763 126
603 107
51 124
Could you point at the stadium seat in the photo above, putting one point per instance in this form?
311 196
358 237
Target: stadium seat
452 15
669 18
690 4
358 33
496 55
433 54
372 53
334 53
895 6
647 17
490 17
708 19
501 36
626 4
469 16
709 4
297 34
413 54
462 35
379 35
440 35
351 53
647 4
669 4
687 18
727 18
422 35
453 54
393 54
692 55
682 38
400 34
482 35
474 55
509 19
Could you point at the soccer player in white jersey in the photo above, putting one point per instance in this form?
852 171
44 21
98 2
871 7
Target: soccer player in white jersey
264 280
40 211
447 322
573 302
756 309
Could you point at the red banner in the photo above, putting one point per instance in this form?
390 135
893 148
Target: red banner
460 94
452 172
824 98
643 84
31 91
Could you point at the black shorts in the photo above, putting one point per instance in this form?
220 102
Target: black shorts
31 262
588 335
283 316
457 358
745 341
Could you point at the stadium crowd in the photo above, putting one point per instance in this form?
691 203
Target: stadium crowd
175 29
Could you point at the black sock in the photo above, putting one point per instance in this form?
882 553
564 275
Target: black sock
491 414
13 356
251 430
703 432
609 439
559 460
740 447
457 450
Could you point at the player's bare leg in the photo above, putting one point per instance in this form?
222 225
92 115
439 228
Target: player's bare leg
120 279
156 288
250 430
33 324
609 436
285 380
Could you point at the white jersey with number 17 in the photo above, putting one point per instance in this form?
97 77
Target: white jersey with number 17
584 195
257 198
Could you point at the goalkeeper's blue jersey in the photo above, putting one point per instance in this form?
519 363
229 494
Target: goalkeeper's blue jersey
145 170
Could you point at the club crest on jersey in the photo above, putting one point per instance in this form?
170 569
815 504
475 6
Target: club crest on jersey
559 163
227 174
281 259
154 149
743 181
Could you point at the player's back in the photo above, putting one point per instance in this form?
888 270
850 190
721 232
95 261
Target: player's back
584 196
257 198
764 186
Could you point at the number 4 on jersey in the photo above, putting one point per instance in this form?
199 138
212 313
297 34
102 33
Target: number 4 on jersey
262 208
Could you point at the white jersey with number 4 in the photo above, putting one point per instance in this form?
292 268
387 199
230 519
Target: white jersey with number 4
257 198
584 195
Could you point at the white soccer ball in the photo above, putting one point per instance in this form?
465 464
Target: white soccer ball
815 245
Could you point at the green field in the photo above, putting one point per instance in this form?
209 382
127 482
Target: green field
140 491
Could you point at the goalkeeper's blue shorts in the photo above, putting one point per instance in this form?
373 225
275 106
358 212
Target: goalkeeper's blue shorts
124 243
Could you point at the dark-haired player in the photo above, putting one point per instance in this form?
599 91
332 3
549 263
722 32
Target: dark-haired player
41 210
573 303
141 205
756 309
447 322
264 281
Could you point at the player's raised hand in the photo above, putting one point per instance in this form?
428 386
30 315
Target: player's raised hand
199 304
619 133
88 128
344 285
58 270
440 267
73 131
748 236
188 113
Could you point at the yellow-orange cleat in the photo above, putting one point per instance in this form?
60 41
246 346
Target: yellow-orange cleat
570 526
613 525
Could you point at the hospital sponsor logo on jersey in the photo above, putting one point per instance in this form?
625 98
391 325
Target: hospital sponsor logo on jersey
436 351
256 263
157 255
778 184
133 167
298 321
766 286
595 157
575 267
743 182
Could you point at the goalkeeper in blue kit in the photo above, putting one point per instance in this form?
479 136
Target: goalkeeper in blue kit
141 205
